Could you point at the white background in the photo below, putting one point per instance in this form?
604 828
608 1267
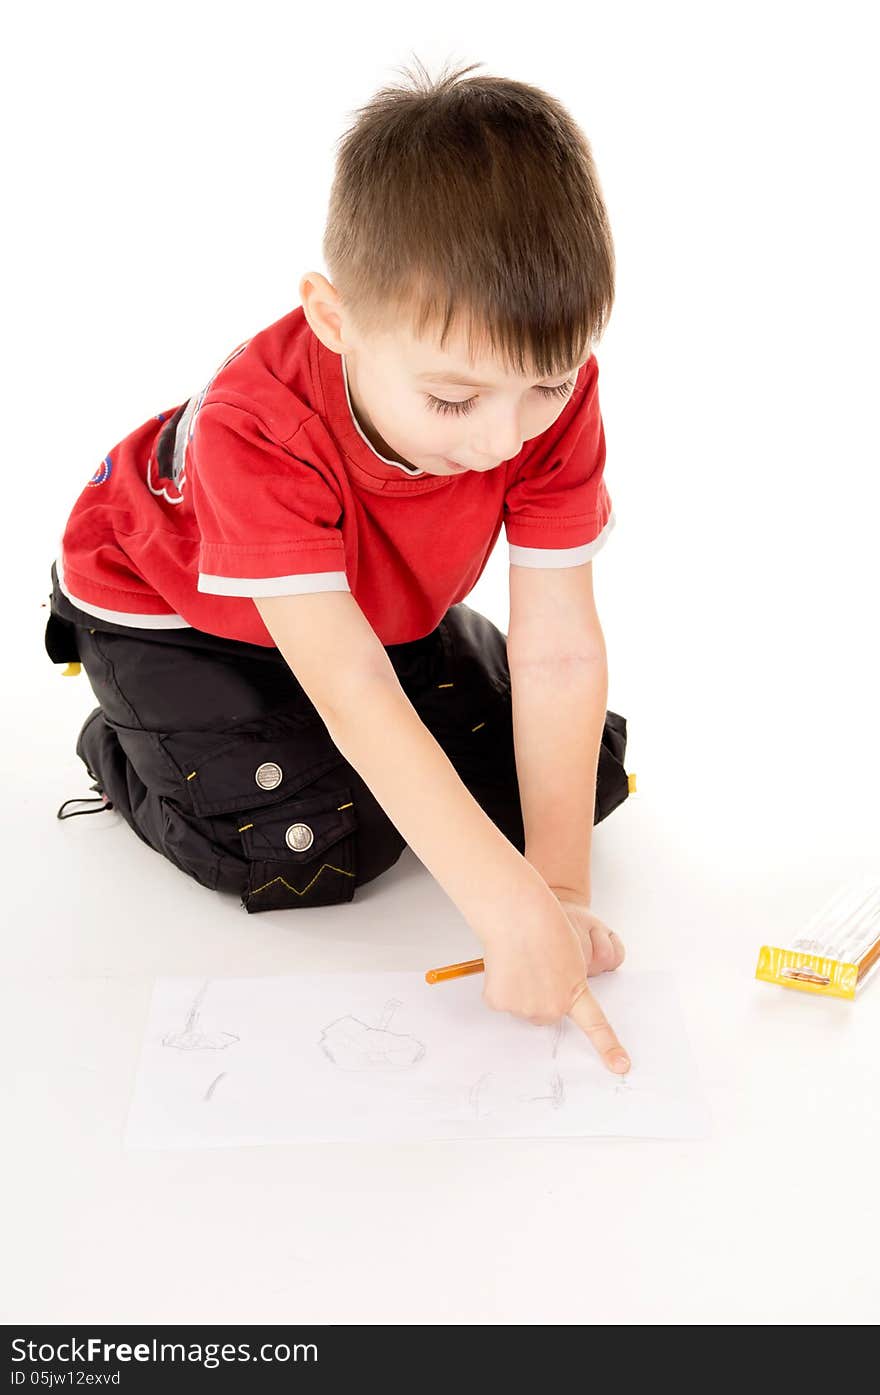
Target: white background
166 177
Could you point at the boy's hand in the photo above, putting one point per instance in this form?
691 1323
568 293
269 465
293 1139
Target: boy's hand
603 948
536 968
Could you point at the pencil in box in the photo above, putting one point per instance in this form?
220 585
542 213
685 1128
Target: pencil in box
837 950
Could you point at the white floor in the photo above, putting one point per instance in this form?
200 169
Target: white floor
774 1219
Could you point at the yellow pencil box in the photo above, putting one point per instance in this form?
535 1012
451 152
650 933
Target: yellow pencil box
837 950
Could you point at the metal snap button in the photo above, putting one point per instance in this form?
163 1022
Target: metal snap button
268 775
299 837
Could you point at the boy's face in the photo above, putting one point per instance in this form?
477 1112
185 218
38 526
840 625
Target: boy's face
414 403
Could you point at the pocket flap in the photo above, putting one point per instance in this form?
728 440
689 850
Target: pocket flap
299 830
246 771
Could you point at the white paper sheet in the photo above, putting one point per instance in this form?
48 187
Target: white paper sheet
387 1056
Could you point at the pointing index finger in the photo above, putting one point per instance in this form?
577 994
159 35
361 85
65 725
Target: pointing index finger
588 1015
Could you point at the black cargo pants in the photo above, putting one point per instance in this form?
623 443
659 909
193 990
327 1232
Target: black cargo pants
212 752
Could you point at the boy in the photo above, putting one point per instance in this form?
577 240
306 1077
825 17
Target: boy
265 584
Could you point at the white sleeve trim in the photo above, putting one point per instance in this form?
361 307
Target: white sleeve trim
273 585
559 556
132 618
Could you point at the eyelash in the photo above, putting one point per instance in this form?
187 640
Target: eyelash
439 404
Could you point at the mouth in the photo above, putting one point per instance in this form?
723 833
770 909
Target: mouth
453 465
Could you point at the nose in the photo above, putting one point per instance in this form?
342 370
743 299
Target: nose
502 441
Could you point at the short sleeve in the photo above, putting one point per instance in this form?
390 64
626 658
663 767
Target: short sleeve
557 511
269 523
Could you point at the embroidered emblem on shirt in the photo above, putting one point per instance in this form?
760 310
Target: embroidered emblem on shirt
102 474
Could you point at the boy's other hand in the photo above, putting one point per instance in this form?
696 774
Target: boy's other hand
603 948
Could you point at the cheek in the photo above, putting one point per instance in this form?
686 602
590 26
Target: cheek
546 409
541 416
422 424
413 429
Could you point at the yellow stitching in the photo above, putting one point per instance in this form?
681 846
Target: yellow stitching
477 727
192 776
350 805
266 885
445 685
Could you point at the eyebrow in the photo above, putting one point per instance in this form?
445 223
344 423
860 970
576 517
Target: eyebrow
462 379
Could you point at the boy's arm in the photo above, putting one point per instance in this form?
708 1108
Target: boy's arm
338 660
559 692
535 964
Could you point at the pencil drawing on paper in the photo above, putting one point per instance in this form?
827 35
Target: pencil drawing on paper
213 1085
557 1031
556 1095
347 1056
354 1045
193 1037
485 1097
476 1090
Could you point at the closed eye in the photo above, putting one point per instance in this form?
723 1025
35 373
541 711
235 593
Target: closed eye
439 404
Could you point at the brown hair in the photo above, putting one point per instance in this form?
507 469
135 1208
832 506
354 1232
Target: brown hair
473 201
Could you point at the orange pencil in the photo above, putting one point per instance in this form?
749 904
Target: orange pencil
470 966
869 960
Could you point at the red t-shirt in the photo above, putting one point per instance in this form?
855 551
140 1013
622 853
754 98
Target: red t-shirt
264 484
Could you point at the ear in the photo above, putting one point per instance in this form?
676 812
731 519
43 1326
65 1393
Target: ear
323 310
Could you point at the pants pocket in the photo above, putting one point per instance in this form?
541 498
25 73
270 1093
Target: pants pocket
301 852
279 806
241 770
